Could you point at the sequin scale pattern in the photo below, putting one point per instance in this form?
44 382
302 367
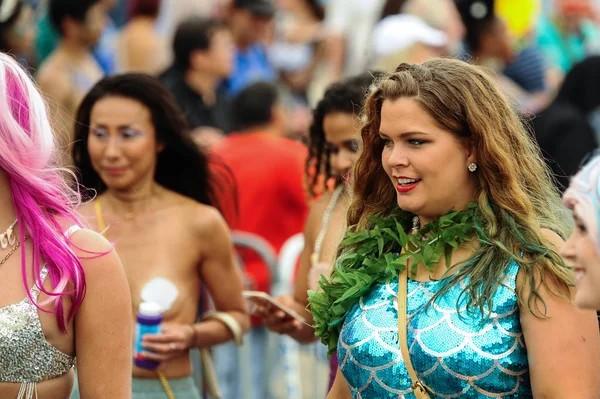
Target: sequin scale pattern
25 355
455 354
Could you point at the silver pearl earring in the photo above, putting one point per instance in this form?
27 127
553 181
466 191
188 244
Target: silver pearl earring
472 167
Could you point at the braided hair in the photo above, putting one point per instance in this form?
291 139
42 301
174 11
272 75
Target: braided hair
346 96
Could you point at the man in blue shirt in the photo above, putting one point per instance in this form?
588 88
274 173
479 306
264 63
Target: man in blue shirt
249 21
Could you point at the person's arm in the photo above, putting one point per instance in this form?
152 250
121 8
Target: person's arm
55 86
224 282
335 50
563 348
336 28
340 389
276 320
103 322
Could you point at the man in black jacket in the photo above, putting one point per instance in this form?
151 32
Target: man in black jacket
204 54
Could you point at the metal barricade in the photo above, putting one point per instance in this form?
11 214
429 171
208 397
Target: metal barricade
305 366
237 367
289 349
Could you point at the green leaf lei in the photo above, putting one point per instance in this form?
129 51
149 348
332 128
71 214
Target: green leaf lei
372 257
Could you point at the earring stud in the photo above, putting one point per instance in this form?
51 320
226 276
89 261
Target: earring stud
472 167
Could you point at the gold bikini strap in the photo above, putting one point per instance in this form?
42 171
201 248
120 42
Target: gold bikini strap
99 217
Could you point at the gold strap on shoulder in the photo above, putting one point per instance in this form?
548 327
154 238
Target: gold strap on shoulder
99 217
230 322
417 386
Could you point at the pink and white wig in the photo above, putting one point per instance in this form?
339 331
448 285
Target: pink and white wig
41 196
583 197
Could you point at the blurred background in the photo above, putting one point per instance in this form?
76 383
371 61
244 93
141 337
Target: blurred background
209 53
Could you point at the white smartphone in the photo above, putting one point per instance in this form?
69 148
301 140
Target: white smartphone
262 298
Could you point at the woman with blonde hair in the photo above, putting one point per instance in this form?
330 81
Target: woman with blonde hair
448 283
582 249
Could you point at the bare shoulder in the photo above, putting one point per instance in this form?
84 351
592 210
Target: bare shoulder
555 281
319 206
87 244
315 215
53 79
203 219
51 72
96 253
207 220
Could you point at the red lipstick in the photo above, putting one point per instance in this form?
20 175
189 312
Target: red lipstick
405 188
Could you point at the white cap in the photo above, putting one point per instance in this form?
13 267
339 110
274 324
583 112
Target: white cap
150 309
400 31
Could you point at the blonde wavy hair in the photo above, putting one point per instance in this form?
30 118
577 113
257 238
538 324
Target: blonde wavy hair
517 197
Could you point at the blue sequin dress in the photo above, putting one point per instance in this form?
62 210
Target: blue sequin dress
454 356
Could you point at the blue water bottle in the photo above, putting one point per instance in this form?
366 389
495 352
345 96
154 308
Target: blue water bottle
149 320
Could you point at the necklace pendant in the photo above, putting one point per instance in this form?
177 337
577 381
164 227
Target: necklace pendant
8 237
12 238
416 223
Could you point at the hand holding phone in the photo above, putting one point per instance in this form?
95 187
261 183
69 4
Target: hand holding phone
266 303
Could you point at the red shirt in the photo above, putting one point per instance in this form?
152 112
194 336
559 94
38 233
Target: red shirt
269 172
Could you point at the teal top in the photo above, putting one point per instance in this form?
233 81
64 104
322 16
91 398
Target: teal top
456 355
565 50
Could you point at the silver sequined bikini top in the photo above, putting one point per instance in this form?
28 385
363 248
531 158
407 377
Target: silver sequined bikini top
25 355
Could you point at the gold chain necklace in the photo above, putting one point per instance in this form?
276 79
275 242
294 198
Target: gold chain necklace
12 250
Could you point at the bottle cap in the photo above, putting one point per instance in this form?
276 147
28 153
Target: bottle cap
150 309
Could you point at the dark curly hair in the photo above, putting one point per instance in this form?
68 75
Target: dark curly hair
346 96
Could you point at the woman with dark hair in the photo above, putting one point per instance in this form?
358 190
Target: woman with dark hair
17 30
333 148
140 46
155 202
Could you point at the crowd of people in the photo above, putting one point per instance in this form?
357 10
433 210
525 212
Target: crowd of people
436 157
